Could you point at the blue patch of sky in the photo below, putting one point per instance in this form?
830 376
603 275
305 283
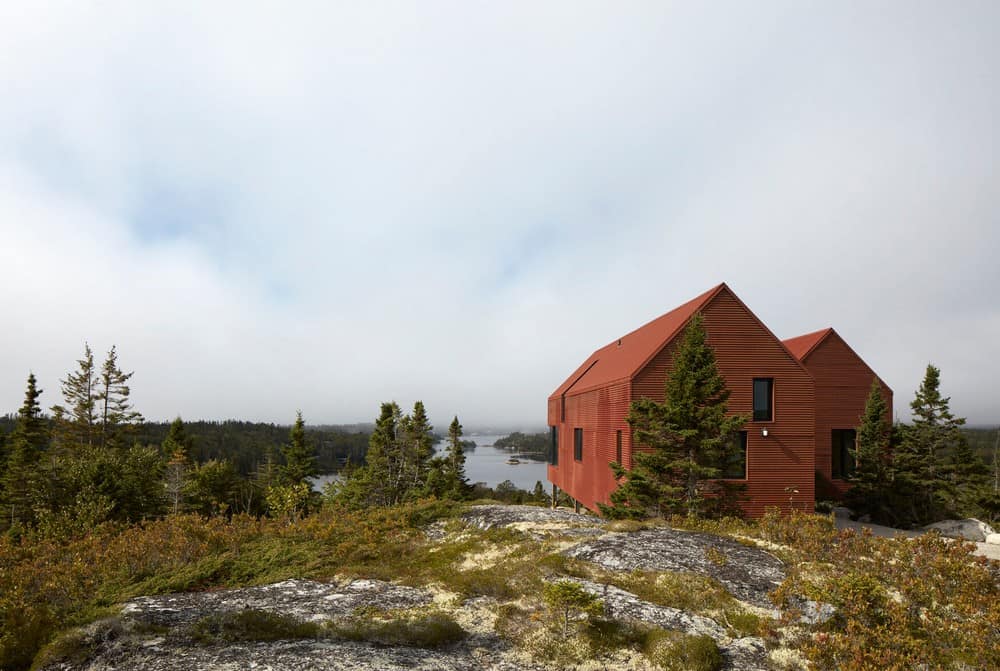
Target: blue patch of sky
162 213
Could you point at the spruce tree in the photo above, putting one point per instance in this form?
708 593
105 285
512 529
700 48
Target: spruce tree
923 473
300 458
24 445
457 485
872 477
75 422
378 482
116 416
418 451
688 436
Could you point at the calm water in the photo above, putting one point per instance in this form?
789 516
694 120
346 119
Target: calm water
486 464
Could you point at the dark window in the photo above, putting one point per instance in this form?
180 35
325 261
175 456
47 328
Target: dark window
554 448
735 467
618 446
842 443
763 397
578 444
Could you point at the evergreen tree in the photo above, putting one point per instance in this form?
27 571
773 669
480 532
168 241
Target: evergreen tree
116 417
872 477
418 450
300 458
688 436
75 423
177 448
25 445
923 474
972 484
456 485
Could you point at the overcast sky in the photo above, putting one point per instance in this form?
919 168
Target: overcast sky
274 206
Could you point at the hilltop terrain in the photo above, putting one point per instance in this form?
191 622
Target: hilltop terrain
511 587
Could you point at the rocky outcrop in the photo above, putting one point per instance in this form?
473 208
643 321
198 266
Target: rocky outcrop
536 521
969 529
748 573
746 654
305 600
154 633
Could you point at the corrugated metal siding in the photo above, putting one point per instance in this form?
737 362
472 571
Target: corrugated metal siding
843 381
599 412
745 349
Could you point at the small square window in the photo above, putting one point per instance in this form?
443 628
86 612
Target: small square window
578 444
763 399
735 467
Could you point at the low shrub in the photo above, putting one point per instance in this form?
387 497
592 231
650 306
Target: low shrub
251 624
428 630
675 651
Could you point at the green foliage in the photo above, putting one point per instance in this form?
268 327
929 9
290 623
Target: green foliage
20 477
246 444
176 448
288 502
252 624
936 473
454 483
116 418
689 437
419 630
535 444
873 474
569 602
75 424
400 464
300 462
214 488
675 651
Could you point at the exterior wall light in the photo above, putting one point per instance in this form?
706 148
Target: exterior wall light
763 432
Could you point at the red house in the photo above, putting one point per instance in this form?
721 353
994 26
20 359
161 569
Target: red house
843 382
767 381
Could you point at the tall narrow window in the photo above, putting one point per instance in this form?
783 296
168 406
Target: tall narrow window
618 446
842 442
578 444
735 467
554 448
763 399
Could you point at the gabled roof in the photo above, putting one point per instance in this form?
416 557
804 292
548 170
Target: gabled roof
803 345
627 355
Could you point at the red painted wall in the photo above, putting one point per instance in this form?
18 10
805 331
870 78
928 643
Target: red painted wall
843 382
744 349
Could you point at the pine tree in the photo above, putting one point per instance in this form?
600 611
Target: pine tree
923 472
688 437
872 477
25 445
116 417
75 423
300 458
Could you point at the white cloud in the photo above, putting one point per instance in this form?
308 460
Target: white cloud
323 208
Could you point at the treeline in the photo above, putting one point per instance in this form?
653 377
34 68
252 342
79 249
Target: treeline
528 444
247 444
94 459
